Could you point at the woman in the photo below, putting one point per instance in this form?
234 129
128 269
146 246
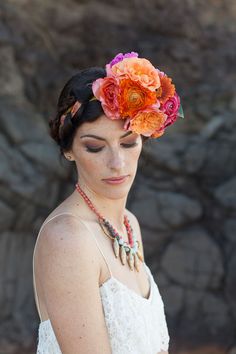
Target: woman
93 290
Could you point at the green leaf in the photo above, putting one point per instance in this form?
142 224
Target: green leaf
181 112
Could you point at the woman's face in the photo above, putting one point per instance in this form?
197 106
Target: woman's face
102 150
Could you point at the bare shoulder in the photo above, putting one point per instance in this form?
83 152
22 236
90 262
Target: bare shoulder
64 227
136 227
66 238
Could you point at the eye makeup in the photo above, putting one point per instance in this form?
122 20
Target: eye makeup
93 147
90 148
129 145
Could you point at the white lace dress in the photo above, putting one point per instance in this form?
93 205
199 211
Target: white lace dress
135 325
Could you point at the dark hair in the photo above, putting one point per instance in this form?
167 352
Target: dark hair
77 88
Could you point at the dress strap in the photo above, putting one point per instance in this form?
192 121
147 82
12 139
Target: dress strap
92 234
90 231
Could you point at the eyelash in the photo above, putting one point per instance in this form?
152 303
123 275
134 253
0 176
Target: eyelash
127 146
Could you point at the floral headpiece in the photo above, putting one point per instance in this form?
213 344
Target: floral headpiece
134 90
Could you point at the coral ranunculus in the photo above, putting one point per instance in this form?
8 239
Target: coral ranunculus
133 97
167 89
147 122
139 70
170 108
106 91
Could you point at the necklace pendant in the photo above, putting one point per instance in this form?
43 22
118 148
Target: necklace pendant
139 255
116 247
131 260
122 255
136 262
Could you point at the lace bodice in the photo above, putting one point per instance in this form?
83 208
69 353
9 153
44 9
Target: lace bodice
135 325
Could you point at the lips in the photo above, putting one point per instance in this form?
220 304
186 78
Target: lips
115 178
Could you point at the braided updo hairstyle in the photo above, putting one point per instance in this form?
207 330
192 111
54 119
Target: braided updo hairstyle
77 88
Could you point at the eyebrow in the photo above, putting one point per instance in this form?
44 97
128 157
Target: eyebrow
100 138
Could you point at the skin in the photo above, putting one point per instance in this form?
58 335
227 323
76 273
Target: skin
118 156
61 254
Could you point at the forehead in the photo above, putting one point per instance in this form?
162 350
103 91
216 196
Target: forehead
103 126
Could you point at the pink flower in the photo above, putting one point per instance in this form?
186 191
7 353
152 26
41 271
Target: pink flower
119 57
106 91
170 108
127 124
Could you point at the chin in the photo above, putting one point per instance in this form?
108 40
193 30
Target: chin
116 191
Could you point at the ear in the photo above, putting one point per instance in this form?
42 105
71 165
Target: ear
69 156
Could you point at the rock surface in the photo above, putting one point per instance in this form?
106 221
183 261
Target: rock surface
184 195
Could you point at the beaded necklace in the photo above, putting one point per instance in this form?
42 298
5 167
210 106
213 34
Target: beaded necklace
130 251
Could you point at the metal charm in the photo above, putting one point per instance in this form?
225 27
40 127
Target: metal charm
123 255
116 247
136 262
131 260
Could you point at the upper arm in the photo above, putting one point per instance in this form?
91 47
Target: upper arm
136 227
70 281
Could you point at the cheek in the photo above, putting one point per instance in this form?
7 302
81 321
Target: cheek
89 164
132 155
137 150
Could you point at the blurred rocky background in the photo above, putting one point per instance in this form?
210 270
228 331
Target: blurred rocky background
185 191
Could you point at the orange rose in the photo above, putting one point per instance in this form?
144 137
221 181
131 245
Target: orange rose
147 122
139 70
133 97
106 91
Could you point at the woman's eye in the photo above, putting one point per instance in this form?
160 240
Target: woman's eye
97 149
130 145
93 149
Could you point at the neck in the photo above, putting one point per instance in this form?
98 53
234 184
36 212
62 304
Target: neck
112 210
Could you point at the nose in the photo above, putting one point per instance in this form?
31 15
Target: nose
116 160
